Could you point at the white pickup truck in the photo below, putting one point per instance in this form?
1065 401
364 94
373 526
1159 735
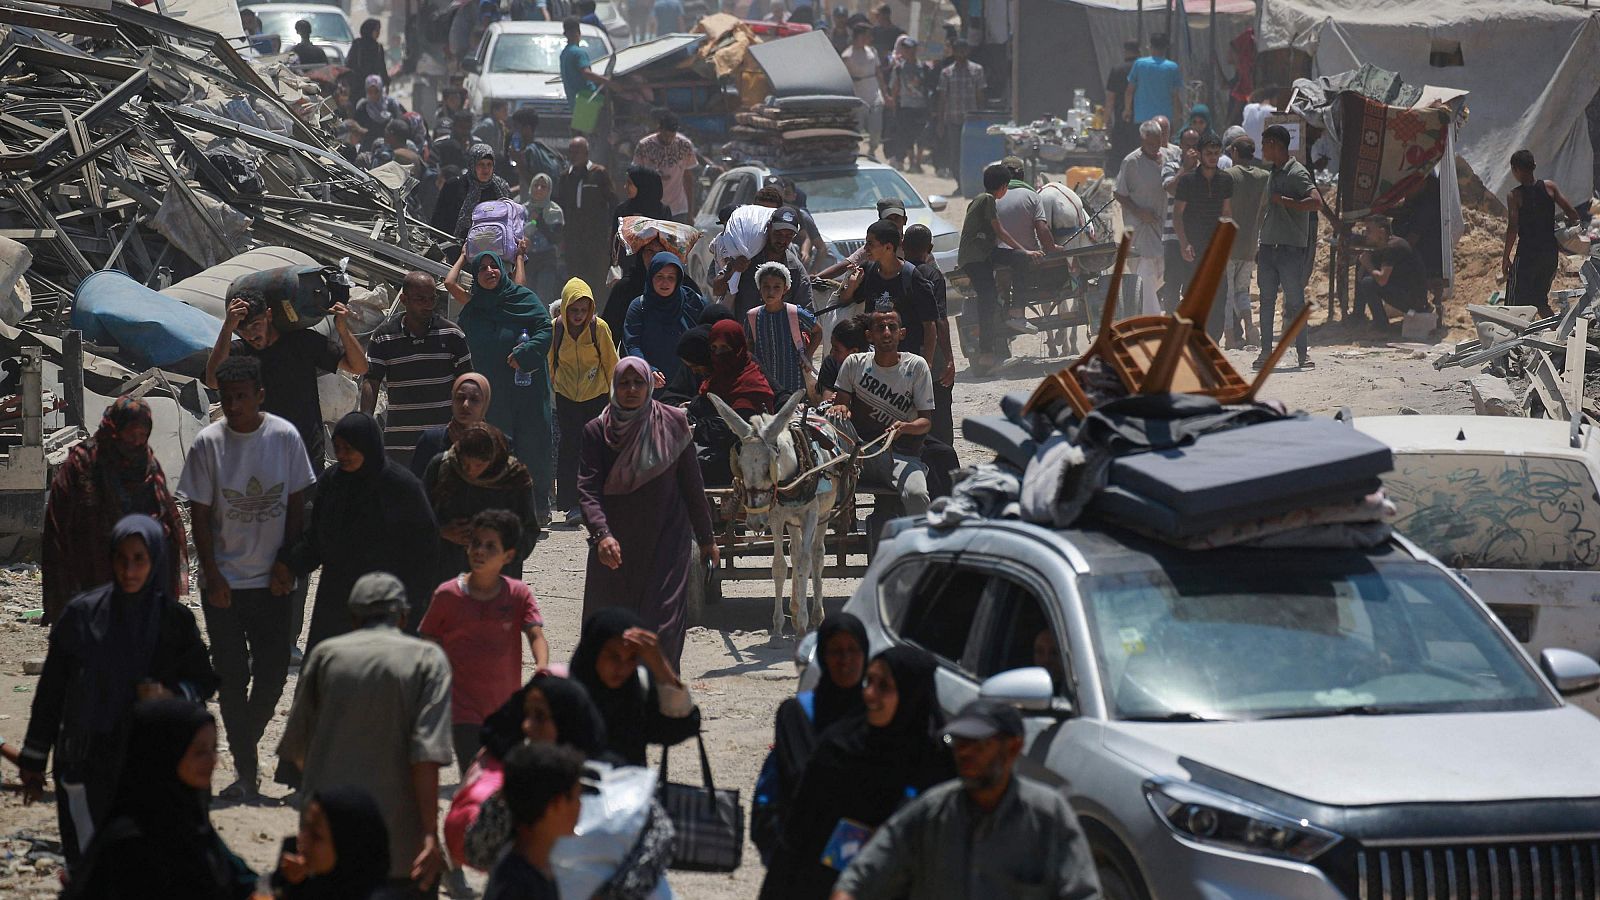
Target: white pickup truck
1514 507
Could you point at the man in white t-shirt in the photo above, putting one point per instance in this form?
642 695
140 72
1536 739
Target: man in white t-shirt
245 480
889 391
673 156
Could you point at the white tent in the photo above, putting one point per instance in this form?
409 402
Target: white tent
1531 69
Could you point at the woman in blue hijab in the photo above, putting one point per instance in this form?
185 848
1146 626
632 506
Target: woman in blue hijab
658 317
495 315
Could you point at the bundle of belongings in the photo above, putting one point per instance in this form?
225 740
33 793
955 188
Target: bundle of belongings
1161 437
642 233
796 132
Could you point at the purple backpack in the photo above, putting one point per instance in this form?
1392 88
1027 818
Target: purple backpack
497 225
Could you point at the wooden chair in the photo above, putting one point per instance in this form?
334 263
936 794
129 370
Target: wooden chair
1166 353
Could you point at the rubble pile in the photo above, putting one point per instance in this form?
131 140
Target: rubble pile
133 141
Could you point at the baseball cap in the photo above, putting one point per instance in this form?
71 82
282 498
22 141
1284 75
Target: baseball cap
982 719
377 593
888 206
784 219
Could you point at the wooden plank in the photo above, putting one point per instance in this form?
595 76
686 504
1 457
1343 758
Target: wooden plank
28 234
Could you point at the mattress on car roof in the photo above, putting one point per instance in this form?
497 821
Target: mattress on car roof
1245 470
1120 506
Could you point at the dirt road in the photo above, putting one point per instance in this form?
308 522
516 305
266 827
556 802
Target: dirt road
738 678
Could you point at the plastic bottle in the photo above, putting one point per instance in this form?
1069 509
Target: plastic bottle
524 378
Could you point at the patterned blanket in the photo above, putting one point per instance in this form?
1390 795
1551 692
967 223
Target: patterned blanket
1387 152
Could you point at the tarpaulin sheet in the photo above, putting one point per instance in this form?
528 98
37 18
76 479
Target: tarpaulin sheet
1531 68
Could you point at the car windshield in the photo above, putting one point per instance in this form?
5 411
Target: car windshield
860 189
1329 633
537 54
1497 511
327 26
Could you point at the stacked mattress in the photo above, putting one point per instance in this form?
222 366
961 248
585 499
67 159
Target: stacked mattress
796 132
1292 481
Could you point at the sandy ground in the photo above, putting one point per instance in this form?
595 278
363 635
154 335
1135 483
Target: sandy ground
737 677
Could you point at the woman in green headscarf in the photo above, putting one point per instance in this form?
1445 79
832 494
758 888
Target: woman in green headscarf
508 331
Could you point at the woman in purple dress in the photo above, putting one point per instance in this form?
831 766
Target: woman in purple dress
642 498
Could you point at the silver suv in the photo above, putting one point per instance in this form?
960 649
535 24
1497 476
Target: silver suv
1252 724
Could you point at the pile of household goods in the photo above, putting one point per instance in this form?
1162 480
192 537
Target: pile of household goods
794 132
1153 431
1052 140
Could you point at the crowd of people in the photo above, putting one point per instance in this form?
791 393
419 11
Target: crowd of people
470 437
1173 188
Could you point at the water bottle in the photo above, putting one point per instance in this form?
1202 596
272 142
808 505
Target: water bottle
524 377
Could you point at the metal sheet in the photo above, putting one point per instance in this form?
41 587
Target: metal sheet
803 64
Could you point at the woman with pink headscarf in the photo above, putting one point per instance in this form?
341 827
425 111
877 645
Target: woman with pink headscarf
642 498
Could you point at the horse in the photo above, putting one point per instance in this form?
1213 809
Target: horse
764 463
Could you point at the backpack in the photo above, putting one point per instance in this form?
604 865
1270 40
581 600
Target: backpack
767 805
561 332
796 332
496 226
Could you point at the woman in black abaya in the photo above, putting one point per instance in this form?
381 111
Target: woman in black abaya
842 659
112 646
864 769
371 515
158 842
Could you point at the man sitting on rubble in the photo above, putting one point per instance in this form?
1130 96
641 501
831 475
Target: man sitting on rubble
1390 273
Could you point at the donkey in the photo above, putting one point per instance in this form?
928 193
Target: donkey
767 459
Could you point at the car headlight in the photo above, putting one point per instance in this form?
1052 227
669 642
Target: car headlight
947 243
1212 818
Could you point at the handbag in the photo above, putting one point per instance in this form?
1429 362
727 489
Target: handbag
708 827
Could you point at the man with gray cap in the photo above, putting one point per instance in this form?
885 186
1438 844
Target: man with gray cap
779 248
984 835
373 710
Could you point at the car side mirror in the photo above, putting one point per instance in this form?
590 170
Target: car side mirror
470 64
1570 671
938 202
1030 689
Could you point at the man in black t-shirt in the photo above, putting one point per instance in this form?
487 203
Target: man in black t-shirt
291 361
1391 273
888 277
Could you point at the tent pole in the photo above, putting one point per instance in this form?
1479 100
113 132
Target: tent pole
1015 12
1141 26
1216 67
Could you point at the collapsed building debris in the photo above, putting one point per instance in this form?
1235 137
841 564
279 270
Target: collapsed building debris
134 142
1549 356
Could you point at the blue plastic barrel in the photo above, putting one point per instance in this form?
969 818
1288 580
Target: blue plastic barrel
979 148
152 329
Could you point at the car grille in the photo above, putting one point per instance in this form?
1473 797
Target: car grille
545 107
1529 870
